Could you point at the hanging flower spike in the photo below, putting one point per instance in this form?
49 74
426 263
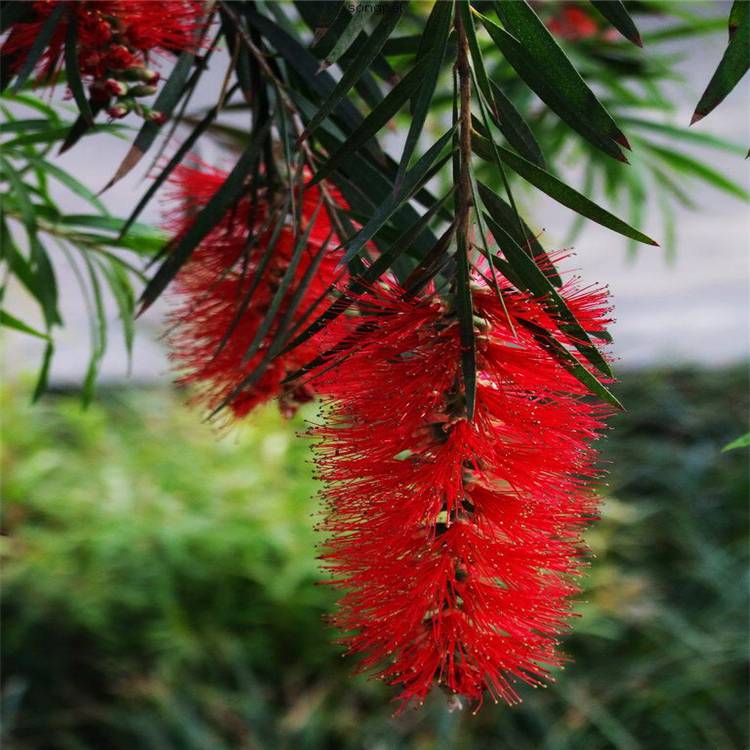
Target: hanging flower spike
115 39
224 292
457 543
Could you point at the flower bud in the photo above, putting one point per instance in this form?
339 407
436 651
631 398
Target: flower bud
139 73
158 118
115 88
118 111
142 90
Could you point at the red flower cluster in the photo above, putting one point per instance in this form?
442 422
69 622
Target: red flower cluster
457 543
115 39
228 285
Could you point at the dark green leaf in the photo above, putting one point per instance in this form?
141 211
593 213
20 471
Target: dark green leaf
558 190
43 379
539 61
536 282
617 14
506 217
206 220
504 114
41 42
184 148
71 68
733 66
413 179
571 362
372 124
440 26
366 54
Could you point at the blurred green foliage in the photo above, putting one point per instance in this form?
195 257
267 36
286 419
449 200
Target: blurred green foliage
160 588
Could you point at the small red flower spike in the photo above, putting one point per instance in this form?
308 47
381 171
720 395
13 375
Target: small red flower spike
226 288
457 543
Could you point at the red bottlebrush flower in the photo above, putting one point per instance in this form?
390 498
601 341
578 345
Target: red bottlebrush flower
457 543
113 35
227 286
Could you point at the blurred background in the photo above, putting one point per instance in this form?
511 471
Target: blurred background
160 588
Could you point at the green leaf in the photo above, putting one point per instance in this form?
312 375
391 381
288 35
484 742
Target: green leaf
373 123
206 220
691 136
70 182
734 64
71 68
122 292
687 165
504 114
544 67
571 363
413 179
515 129
41 42
20 194
504 215
372 273
10 321
43 379
616 13
176 159
558 190
536 282
304 64
345 39
440 26
359 65
741 442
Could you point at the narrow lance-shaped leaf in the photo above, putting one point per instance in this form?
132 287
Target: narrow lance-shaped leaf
571 362
558 190
504 114
617 14
433 59
371 274
507 218
176 159
741 442
346 38
40 44
206 220
366 54
538 284
544 67
281 290
11 321
72 70
734 64
413 179
374 122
